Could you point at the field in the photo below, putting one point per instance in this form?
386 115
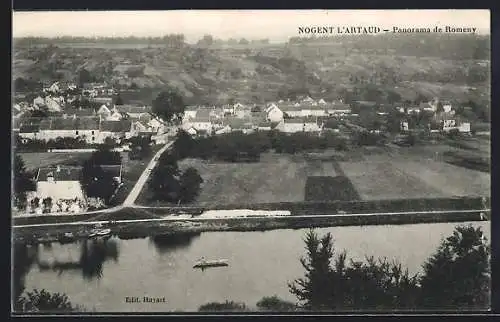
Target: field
37 160
330 188
411 173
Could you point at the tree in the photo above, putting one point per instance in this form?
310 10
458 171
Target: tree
169 105
164 180
313 290
183 145
43 301
95 180
23 182
84 76
207 40
47 204
190 182
457 276
119 100
274 303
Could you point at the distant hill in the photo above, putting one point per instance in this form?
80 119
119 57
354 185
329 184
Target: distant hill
339 67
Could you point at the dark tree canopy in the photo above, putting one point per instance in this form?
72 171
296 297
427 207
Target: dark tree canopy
169 105
457 276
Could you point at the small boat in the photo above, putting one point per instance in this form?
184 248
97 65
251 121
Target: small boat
103 232
67 238
202 263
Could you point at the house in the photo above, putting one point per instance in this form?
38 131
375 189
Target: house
39 101
265 126
200 122
241 111
102 99
54 88
291 110
427 107
104 111
321 102
338 109
53 104
78 112
134 111
29 131
307 99
236 124
301 124
59 183
273 113
222 129
86 128
228 109
113 129
138 128
313 110
116 116
190 112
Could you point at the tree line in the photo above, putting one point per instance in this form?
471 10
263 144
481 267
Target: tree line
237 146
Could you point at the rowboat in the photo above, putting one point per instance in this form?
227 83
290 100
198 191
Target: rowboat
211 263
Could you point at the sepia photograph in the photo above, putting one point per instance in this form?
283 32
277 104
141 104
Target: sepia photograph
251 162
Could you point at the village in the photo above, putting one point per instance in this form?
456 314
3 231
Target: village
65 118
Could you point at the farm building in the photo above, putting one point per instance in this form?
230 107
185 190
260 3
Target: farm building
301 124
273 113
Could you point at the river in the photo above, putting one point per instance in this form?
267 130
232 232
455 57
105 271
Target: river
99 276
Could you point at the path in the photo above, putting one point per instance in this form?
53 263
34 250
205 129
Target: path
134 193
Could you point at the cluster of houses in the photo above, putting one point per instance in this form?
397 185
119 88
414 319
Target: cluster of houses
445 119
93 126
306 115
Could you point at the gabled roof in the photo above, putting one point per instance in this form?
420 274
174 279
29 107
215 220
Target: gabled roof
29 128
79 112
116 126
134 109
338 106
65 173
301 120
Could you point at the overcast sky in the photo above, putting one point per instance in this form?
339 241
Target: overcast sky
276 25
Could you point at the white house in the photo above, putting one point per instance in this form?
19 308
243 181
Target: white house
59 183
189 113
273 113
338 109
52 104
295 125
291 110
199 123
104 111
313 110
54 88
39 101
228 109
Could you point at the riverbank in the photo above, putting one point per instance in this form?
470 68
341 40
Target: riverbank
172 226
295 209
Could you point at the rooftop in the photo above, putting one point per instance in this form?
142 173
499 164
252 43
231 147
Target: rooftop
61 173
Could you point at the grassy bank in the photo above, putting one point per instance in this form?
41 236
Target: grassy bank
296 208
144 229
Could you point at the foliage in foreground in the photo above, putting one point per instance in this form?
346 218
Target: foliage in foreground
457 276
44 301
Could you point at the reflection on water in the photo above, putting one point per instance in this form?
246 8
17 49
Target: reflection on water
168 242
93 253
260 264
24 256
